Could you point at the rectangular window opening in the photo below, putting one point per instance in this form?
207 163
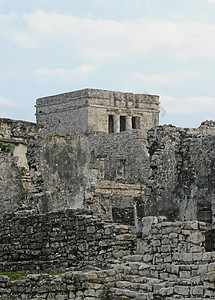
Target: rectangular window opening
121 169
110 124
122 123
135 122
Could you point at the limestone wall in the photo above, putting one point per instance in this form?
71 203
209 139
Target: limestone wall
105 173
166 242
59 240
12 192
170 261
181 184
59 166
15 133
122 159
70 285
125 156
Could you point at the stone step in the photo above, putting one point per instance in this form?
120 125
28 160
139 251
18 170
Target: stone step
126 291
133 268
134 286
178 258
123 294
173 271
132 291
194 281
138 280
163 271
141 279
136 257
209 295
189 291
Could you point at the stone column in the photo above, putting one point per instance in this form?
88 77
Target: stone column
128 123
116 123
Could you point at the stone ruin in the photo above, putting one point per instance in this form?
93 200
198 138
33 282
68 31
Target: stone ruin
100 202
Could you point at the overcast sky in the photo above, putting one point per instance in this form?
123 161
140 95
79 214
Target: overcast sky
162 47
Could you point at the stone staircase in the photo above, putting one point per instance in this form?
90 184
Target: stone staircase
126 278
138 280
159 269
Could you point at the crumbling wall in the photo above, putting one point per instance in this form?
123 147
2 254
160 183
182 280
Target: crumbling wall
103 173
166 242
16 132
59 166
11 189
125 156
181 184
69 285
122 161
59 240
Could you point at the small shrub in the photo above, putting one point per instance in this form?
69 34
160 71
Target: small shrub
6 148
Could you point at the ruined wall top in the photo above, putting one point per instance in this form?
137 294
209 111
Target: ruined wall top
15 133
16 130
182 173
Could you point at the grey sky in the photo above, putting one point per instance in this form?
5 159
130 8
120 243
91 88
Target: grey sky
158 47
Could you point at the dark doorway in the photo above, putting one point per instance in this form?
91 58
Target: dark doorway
122 123
135 122
110 124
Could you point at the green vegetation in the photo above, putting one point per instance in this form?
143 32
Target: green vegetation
49 134
13 276
26 195
22 173
6 148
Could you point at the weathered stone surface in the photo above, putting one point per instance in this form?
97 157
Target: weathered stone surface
12 192
182 174
75 171
61 171
15 133
170 241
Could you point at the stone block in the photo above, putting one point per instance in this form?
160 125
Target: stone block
196 237
166 291
211 276
197 290
182 290
192 225
147 223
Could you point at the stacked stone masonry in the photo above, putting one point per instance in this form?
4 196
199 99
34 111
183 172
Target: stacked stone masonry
59 240
187 275
92 164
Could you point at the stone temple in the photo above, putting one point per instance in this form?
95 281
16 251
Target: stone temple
98 201
93 111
